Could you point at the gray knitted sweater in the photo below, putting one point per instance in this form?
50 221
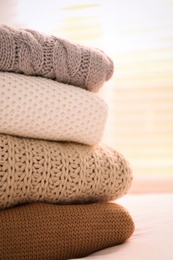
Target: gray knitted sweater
34 53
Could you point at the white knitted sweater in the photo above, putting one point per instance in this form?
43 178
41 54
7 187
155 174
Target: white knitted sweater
41 108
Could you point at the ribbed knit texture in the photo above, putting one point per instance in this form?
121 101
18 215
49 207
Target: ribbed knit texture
34 53
46 231
34 170
42 108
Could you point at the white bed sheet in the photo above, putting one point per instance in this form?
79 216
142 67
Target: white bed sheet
153 235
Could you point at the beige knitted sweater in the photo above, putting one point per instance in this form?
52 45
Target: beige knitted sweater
60 172
34 53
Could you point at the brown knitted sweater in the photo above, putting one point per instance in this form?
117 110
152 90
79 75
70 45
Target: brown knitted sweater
46 231
34 53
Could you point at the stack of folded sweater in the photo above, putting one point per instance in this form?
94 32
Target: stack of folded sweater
57 179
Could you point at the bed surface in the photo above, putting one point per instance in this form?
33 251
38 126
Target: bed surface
153 235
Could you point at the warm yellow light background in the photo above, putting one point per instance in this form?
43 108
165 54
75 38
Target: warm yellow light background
138 35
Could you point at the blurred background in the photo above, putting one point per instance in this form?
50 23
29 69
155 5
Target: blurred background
138 36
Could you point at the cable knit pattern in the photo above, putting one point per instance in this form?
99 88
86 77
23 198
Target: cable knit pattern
54 232
34 170
34 53
42 108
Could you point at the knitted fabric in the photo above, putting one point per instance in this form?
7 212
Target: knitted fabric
34 53
42 108
60 172
45 231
